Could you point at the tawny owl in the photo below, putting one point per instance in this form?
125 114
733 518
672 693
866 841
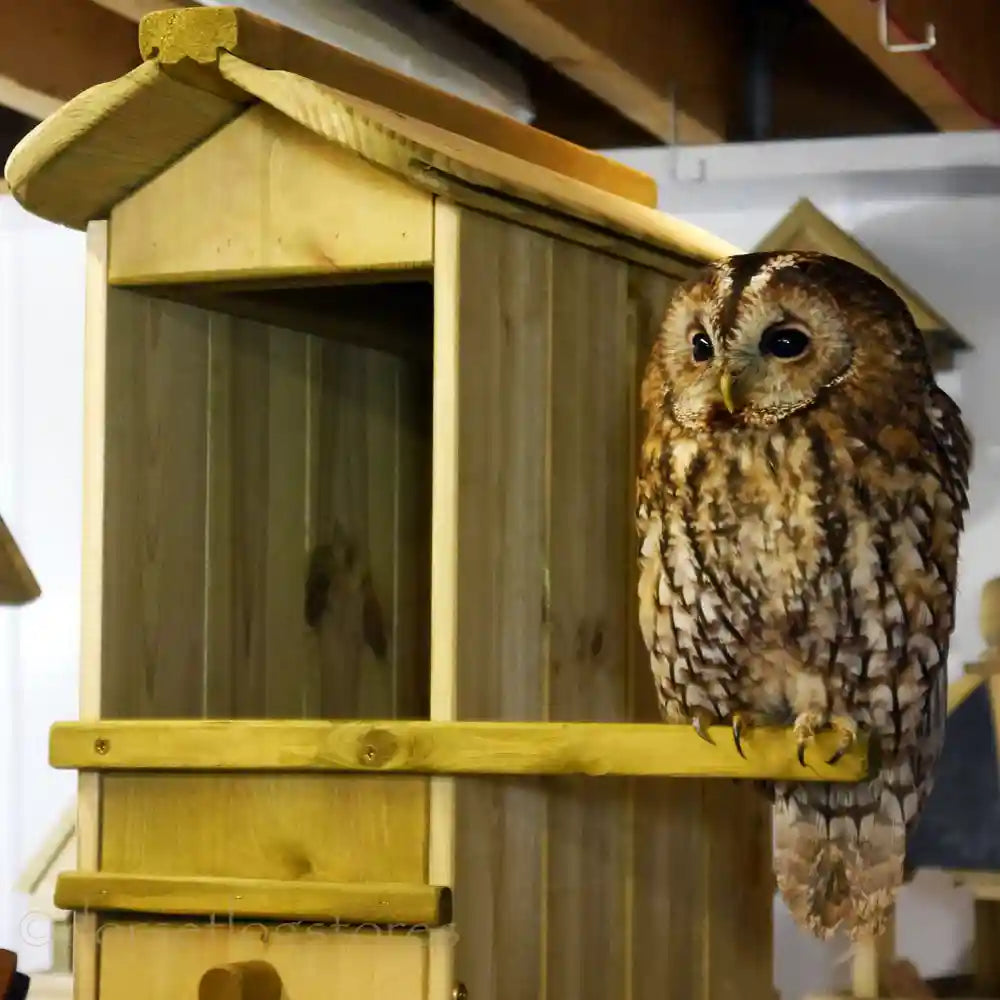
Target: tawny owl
802 489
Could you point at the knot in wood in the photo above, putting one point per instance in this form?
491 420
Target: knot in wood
377 747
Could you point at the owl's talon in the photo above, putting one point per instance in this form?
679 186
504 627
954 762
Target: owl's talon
807 724
740 726
702 719
847 735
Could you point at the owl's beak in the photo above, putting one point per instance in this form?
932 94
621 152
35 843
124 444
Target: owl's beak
726 389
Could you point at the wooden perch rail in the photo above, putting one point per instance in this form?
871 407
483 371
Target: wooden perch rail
239 898
591 748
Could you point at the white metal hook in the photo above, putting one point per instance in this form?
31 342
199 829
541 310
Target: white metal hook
674 150
930 33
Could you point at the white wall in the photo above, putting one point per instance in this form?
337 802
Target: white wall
929 207
41 369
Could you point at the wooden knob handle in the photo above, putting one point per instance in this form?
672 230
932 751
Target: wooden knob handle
241 981
13 984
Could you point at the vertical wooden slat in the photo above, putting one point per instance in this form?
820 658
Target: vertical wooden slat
237 519
154 514
286 631
588 568
257 660
221 681
668 852
410 615
498 353
372 508
341 522
88 818
702 887
442 816
665 947
382 377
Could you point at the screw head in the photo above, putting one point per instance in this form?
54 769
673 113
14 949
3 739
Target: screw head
101 746
459 992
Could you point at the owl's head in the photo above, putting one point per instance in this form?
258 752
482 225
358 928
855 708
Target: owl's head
755 338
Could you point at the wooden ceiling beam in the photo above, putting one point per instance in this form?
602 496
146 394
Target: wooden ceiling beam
957 82
136 10
637 55
50 50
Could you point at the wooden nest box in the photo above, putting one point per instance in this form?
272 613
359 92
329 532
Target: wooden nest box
361 374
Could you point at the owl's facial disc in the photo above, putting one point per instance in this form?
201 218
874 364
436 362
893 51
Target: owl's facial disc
770 361
755 338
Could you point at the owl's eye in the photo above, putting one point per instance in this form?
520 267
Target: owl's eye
701 347
784 342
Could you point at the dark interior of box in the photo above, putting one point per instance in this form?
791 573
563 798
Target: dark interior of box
268 463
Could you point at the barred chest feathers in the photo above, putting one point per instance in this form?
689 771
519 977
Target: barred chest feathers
786 546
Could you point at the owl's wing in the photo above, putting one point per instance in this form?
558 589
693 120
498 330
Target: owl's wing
954 447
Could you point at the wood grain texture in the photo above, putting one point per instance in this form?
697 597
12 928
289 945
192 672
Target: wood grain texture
370 503
428 747
88 797
501 352
701 856
313 827
43 63
431 157
282 444
51 170
567 887
311 961
955 84
178 39
444 558
257 643
633 56
588 556
155 462
396 321
109 140
255 223
387 903
668 925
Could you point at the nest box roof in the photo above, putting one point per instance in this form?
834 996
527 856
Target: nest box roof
204 66
805 227
959 828
17 583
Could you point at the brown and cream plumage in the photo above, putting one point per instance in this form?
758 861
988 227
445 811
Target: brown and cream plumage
801 495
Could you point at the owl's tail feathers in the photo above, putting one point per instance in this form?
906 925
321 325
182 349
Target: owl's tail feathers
838 855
